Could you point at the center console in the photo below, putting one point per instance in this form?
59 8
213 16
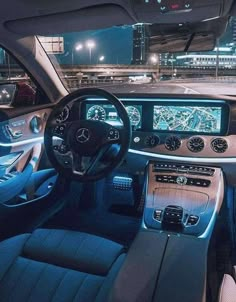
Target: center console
168 259
182 198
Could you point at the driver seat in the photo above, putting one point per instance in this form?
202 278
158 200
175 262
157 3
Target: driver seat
58 266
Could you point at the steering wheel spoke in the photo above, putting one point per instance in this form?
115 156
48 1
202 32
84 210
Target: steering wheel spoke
78 164
85 165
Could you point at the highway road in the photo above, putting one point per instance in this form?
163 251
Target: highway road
173 88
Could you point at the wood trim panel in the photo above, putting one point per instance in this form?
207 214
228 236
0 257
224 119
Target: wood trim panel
204 202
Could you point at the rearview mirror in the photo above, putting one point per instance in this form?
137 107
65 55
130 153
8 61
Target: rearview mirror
182 42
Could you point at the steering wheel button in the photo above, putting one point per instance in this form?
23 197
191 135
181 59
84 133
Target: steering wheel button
113 135
63 149
59 130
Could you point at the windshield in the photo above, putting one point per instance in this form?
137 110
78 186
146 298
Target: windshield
121 59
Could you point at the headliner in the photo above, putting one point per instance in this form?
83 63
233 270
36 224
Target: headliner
29 17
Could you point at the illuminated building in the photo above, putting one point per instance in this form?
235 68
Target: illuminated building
140 44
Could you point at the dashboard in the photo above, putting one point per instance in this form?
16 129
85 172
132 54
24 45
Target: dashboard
175 126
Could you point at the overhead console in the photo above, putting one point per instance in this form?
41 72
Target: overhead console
173 11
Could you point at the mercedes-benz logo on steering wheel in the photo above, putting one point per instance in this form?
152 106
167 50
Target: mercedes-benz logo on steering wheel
83 135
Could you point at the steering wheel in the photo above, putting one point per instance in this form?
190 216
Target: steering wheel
76 148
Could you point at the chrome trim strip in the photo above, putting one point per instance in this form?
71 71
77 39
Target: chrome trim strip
216 160
23 142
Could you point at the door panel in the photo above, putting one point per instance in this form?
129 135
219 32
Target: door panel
21 147
18 136
26 194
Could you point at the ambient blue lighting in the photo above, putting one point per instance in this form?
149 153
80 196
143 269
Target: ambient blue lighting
209 160
23 142
215 101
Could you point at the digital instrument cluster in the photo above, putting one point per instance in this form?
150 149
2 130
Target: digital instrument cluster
108 114
164 116
182 117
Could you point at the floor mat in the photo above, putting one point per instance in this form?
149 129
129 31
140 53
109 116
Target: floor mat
121 229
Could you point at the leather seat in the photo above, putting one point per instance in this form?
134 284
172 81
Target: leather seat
58 265
228 289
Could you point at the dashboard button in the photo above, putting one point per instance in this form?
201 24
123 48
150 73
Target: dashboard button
192 220
137 139
181 180
158 215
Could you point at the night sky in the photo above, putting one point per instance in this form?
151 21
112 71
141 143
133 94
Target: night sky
115 44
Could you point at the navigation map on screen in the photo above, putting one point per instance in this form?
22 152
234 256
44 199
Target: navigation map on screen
187 118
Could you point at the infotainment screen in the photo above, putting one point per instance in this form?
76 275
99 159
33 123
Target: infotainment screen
108 114
201 119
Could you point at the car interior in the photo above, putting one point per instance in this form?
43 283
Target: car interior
128 211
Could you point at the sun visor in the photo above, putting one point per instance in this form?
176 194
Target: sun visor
101 16
194 37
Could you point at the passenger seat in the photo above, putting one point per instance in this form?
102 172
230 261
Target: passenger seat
228 289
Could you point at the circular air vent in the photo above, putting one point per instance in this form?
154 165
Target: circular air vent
196 144
152 141
219 145
172 143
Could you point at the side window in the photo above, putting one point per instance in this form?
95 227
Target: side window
16 87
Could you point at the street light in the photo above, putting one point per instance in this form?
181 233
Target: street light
101 58
154 59
78 47
90 45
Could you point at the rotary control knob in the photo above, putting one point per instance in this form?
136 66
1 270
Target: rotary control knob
152 141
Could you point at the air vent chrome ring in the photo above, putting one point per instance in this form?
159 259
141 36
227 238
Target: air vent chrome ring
219 145
196 144
172 143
